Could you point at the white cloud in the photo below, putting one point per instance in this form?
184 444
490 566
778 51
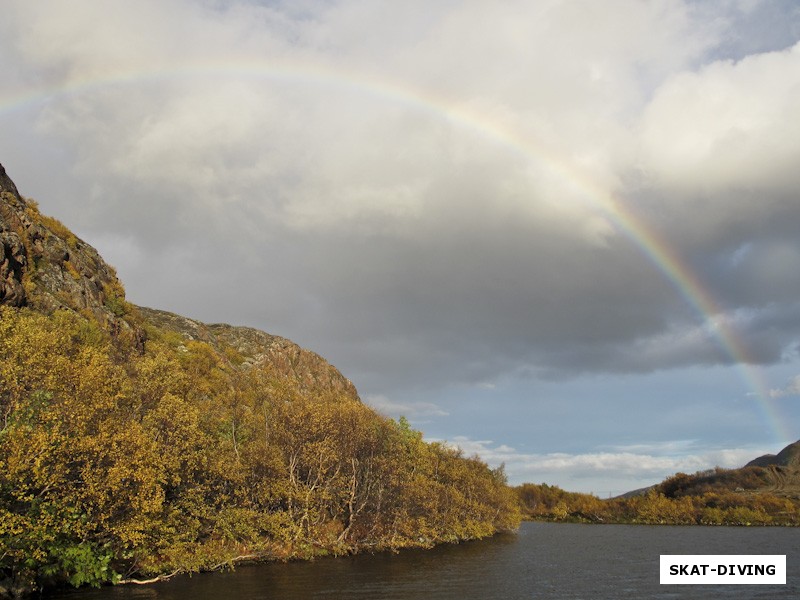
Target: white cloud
656 448
622 469
727 125
791 389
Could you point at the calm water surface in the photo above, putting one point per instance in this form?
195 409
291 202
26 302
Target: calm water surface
543 560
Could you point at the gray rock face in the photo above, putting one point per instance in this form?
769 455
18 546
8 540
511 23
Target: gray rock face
45 266
13 254
13 261
6 183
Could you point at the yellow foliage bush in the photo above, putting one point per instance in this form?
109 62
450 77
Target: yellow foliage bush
115 464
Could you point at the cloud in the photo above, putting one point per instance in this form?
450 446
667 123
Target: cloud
725 126
610 472
419 192
791 389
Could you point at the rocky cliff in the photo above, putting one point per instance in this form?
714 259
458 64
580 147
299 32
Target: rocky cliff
45 266
13 255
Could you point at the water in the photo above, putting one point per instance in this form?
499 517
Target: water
543 560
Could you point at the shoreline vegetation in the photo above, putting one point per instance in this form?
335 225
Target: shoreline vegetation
121 465
750 496
124 463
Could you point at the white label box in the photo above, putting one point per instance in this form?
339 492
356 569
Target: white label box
723 569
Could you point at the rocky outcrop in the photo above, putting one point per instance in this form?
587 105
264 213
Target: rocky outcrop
13 256
310 373
47 267
13 261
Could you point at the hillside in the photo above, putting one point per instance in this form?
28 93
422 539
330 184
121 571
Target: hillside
250 348
788 457
781 475
766 491
136 444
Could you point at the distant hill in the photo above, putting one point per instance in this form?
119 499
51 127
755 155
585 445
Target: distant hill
785 478
637 492
766 491
774 474
788 457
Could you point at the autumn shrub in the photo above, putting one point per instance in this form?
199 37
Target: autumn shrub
116 465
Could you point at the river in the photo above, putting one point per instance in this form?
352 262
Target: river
542 560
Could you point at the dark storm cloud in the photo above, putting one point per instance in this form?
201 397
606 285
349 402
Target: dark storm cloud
311 158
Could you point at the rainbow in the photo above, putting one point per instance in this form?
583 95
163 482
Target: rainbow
633 228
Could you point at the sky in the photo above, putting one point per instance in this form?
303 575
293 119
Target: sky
559 234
